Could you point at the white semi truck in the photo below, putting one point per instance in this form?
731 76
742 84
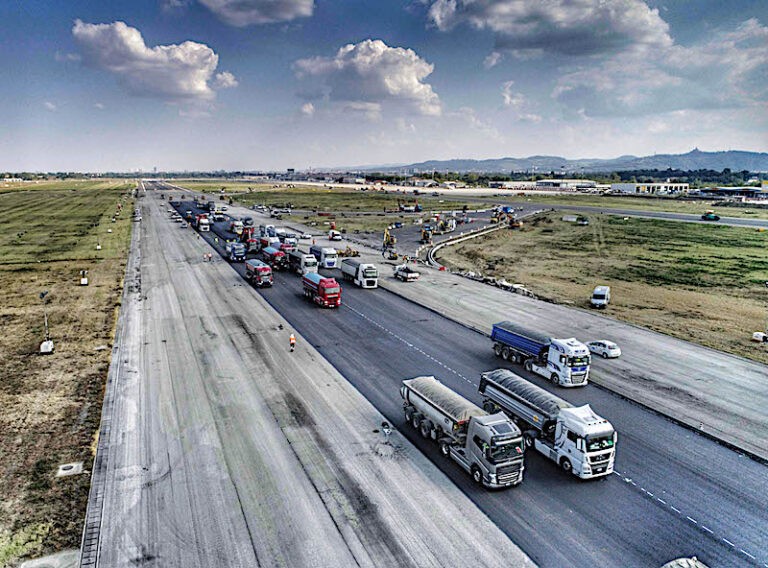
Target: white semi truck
577 439
564 362
362 274
488 446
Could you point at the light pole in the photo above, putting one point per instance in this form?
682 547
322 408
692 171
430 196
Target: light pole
46 347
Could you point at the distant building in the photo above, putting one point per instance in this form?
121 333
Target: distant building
738 193
660 188
418 182
566 184
353 180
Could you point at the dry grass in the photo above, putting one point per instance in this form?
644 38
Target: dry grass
699 282
51 404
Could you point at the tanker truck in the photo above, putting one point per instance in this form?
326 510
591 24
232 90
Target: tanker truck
576 438
564 362
488 446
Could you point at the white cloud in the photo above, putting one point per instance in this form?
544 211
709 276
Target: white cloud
518 103
728 69
66 57
241 13
492 60
225 80
99 106
372 73
49 106
565 27
308 109
175 73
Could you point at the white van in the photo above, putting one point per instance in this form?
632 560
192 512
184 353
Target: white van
601 296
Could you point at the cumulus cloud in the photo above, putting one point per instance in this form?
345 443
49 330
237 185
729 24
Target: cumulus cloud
727 70
518 103
368 75
175 73
492 60
49 106
535 27
225 80
308 109
242 13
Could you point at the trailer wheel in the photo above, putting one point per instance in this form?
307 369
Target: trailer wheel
477 475
565 463
445 449
426 428
554 379
513 357
505 353
497 349
415 420
528 365
489 407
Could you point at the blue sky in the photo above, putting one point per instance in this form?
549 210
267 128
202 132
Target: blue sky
272 84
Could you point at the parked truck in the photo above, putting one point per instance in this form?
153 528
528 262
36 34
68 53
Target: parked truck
326 256
362 274
564 362
322 291
488 446
576 438
406 273
301 263
236 251
258 273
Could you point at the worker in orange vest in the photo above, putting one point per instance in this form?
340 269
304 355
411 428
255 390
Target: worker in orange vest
292 340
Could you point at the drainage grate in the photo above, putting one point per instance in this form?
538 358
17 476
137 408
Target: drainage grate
70 469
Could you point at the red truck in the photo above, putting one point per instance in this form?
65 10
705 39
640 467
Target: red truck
322 291
275 258
258 273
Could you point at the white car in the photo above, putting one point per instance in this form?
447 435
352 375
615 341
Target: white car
305 236
606 349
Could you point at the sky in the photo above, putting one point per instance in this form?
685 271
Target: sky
311 84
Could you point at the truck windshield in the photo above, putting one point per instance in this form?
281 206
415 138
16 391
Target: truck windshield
332 290
579 361
598 296
309 263
597 443
370 273
331 256
507 451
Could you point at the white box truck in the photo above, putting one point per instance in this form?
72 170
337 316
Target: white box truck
488 446
362 274
576 438
326 256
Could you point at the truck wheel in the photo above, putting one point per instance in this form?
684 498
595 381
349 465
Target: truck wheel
527 440
445 449
505 353
565 463
528 365
426 429
415 420
489 407
477 475
497 349
554 379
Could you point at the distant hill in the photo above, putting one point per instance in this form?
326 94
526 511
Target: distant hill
693 160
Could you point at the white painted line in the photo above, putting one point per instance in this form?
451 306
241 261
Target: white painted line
747 554
728 542
706 529
675 509
692 520
661 501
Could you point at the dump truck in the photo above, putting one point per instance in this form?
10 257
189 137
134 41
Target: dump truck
576 438
488 446
362 274
258 273
564 362
322 291
406 273
275 258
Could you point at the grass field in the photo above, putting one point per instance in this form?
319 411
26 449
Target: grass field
667 204
51 404
705 283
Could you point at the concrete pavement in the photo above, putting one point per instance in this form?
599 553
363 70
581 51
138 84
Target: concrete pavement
227 450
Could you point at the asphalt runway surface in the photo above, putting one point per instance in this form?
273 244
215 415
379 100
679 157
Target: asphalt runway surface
674 493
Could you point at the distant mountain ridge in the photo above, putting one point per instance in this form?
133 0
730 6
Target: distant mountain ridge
694 160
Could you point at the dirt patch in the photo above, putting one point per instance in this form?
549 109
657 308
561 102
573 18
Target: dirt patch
51 403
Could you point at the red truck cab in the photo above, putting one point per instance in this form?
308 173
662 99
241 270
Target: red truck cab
258 273
323 291
275 258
